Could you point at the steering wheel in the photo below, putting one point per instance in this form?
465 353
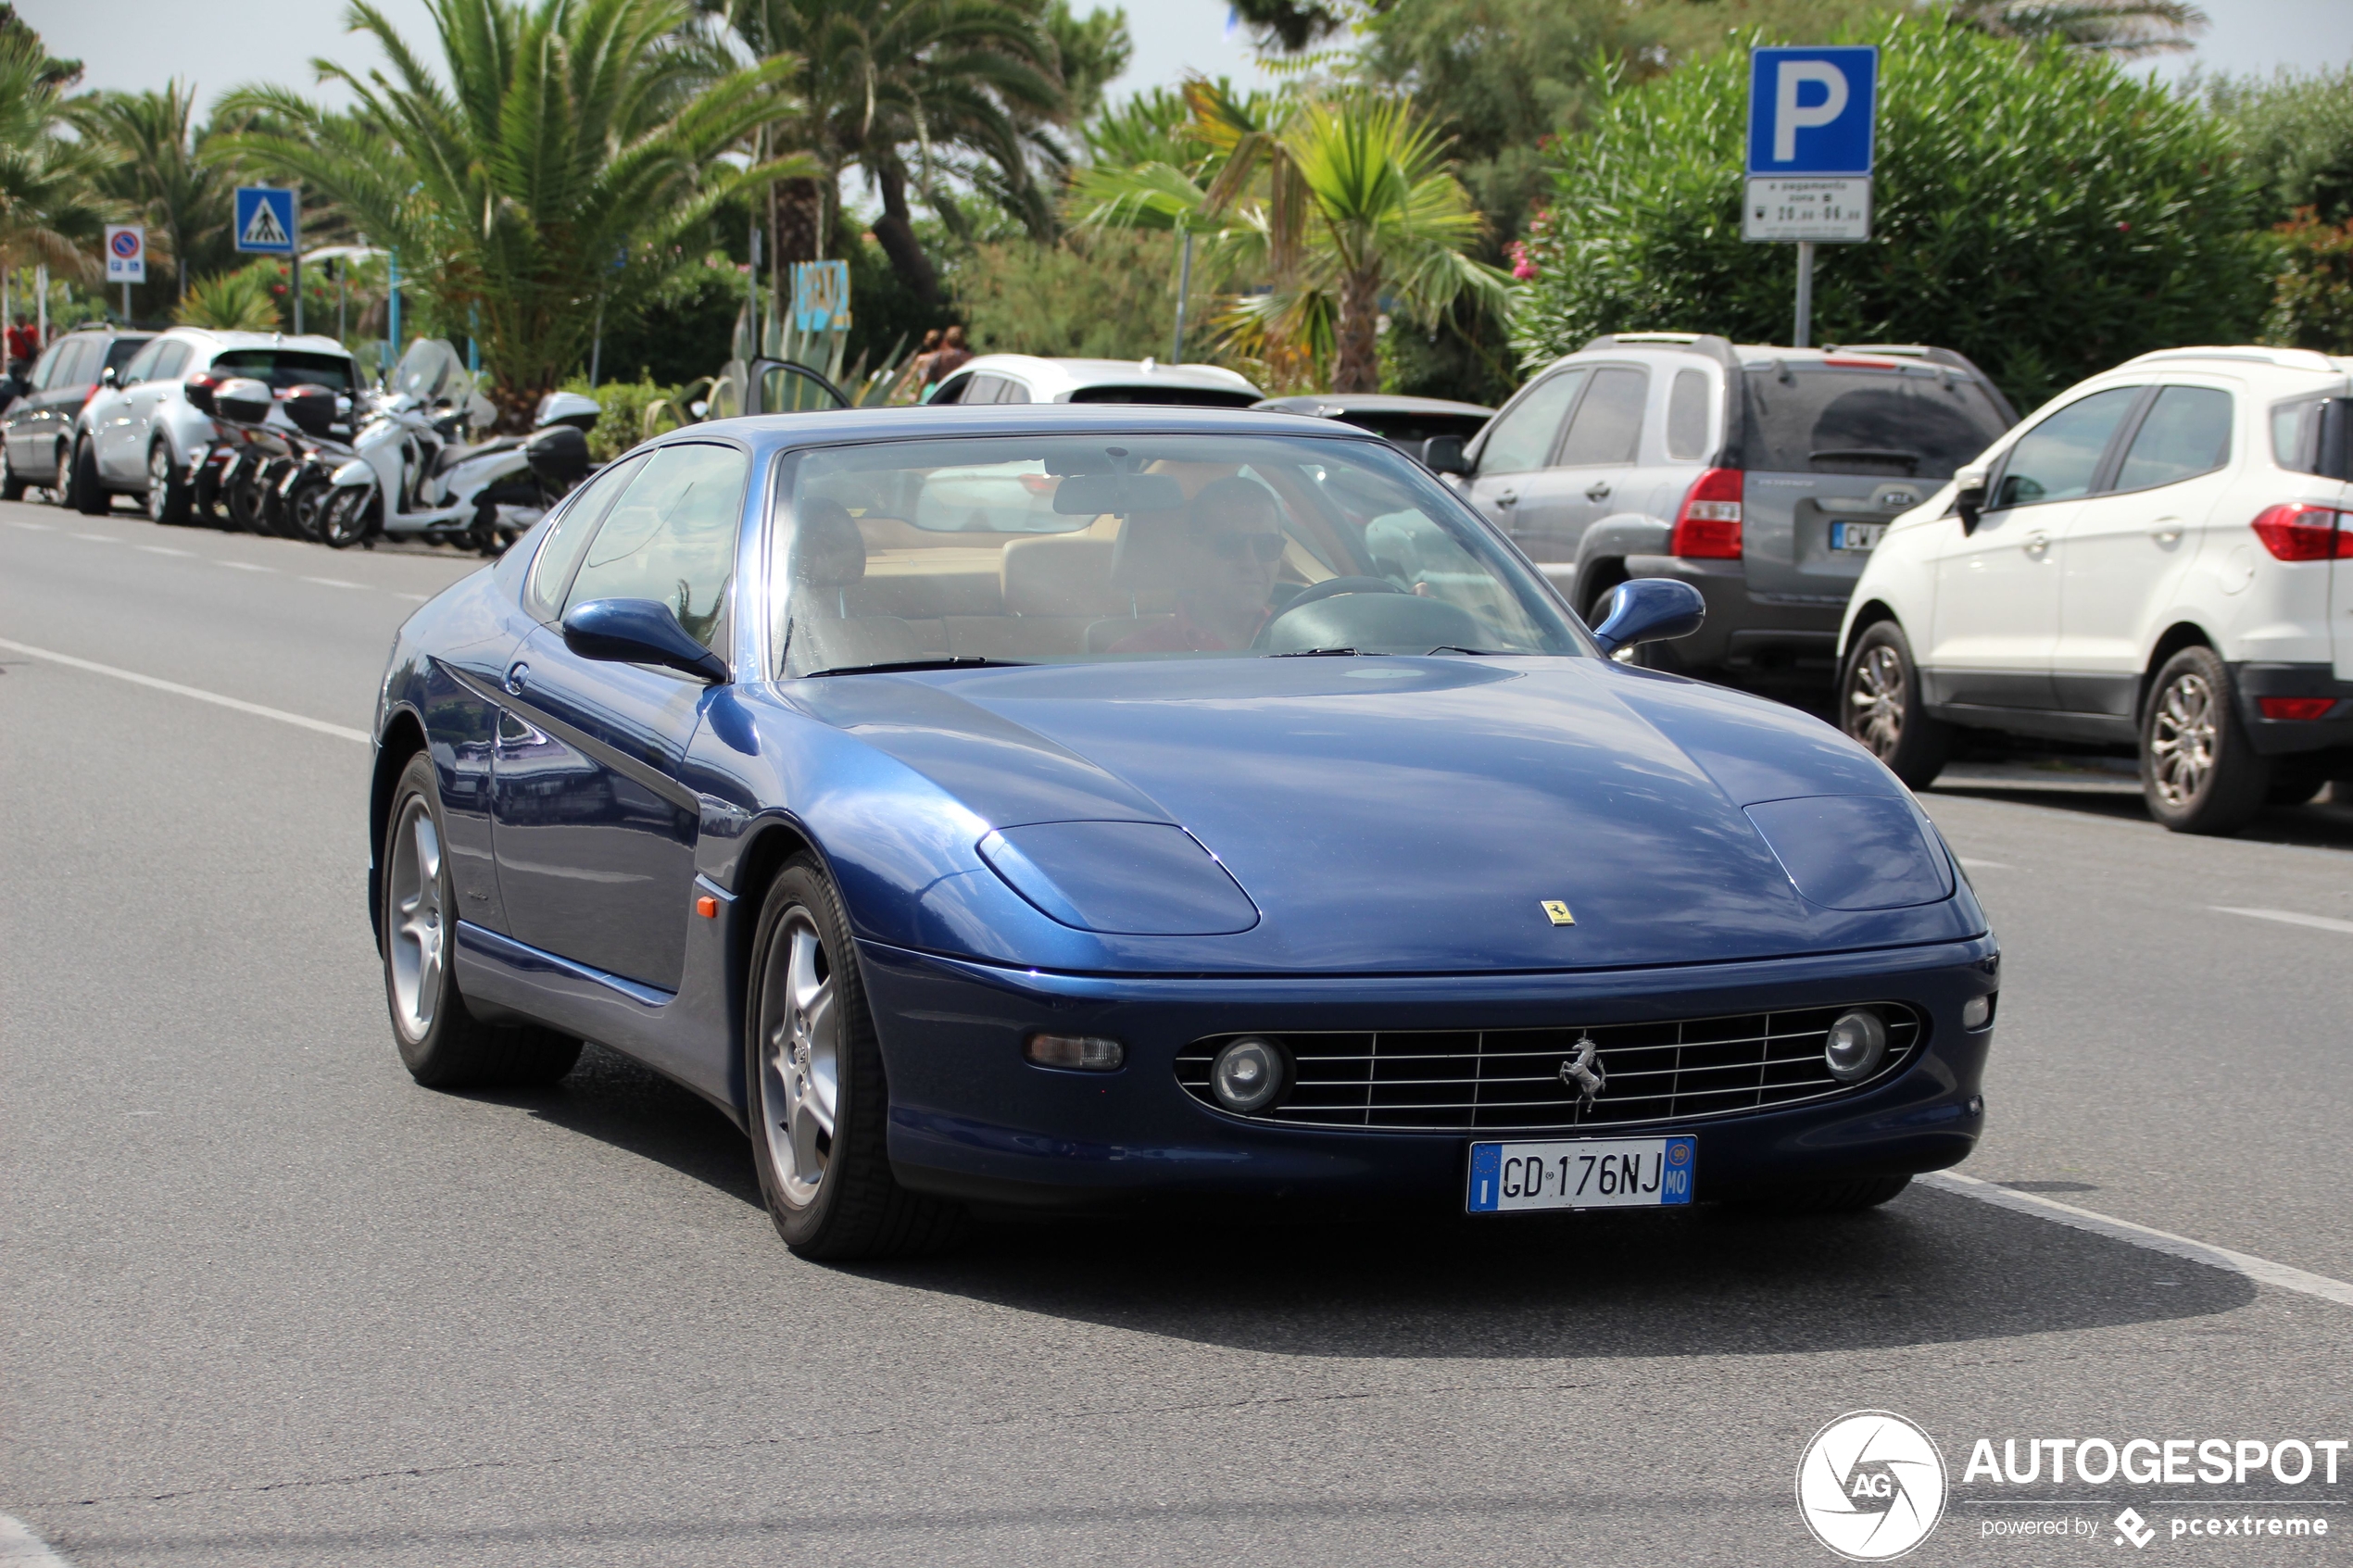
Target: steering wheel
1330 588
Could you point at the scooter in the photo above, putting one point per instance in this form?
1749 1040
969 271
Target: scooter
414 475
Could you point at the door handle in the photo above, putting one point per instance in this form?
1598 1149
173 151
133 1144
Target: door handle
1598 490
2036 543
1507 497
2168 532
518 677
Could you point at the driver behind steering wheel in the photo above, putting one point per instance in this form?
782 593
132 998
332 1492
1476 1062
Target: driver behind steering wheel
1225 568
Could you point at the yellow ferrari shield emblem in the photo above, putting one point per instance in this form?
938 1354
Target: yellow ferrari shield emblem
1557 913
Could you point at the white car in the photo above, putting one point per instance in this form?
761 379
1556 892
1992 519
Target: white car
2160 556
141 434
1026 378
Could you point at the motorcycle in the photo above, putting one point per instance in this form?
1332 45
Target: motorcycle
415 475
254 437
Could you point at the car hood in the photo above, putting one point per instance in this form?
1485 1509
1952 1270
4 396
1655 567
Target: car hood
1416 815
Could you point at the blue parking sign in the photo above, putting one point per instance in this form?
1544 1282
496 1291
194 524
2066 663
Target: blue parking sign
265 221
1810 110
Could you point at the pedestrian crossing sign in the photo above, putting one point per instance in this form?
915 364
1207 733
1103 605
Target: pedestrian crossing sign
265 221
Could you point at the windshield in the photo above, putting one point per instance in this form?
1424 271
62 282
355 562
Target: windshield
1911 422
284 368
1048 549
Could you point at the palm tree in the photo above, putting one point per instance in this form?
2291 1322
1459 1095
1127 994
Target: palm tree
1333 202
147 145
2127 29
907 90
577 146
51 210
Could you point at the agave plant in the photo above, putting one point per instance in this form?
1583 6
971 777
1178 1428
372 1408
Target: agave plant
1338 207
577 144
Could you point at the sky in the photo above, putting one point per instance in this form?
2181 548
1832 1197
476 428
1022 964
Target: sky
144 43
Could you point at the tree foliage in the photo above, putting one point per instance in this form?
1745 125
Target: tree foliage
2037 207
51 210
2296 132
149 147
1107 295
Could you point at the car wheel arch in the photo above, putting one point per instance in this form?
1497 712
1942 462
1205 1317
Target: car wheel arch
771 846
2179 635
403 738
1866 615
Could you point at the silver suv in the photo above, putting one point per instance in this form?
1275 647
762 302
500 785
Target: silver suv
1761 476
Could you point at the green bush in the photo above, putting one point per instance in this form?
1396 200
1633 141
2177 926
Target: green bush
2039 209
622 424
2297 133
1108 295
2312 299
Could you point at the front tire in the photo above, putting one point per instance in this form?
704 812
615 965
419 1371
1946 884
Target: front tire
814 1085
167 488
2199 774
344 517
1880 706
442 1044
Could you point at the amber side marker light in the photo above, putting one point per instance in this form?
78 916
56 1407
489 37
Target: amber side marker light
707 907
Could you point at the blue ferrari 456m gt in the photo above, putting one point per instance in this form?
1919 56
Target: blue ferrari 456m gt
1064 807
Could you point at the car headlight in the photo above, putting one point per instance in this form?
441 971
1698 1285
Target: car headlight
1855 851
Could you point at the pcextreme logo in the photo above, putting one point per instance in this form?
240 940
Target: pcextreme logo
1871 1486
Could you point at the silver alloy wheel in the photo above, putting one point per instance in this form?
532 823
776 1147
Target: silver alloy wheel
419 936
158 481
800 1056
2183 737
65 475
1876 695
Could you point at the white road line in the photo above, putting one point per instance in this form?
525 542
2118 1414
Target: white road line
167 550
35 527
2261 1270
341 732
420 598
334 582
19 1547
244 566
2289 917
1977 865
93 538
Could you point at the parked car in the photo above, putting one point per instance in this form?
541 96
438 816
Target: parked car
1759 475
142 434
1406 422
1024 377
1035 867
2161 558
36 435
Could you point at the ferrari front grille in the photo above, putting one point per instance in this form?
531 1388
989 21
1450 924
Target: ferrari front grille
1526 1080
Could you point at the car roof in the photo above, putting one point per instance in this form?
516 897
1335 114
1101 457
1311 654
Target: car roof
220 338
1057 377
836 426
1331 405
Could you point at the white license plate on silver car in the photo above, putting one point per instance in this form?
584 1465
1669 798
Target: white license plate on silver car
1859 538
1581 1173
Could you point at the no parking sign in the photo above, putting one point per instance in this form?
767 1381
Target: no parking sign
126 252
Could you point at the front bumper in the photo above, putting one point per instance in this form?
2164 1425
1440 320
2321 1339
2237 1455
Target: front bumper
972 1119
2288 737
1745 631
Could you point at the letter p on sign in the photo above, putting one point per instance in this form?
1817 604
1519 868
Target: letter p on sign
1810 110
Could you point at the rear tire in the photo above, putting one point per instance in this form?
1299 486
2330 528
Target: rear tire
12 484
814 1085
1845 1195
83 493
344 517
442 1044
2199 774
167 488
1880 706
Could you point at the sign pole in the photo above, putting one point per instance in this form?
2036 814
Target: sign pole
1803 337
126 304
1184 287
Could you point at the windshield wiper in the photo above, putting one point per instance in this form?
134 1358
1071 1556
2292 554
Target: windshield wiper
945 661
1481 653
1316 652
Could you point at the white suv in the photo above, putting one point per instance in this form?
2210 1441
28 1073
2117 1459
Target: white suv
2161 557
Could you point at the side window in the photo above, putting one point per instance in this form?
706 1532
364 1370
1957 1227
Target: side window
1687 416
1522 437
143 364
672 537
169 365
72 358
559 552
1010 391
956 389
45 371
2056 460
1609 425
2185 432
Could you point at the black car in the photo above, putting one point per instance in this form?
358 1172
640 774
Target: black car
36 433
1400 422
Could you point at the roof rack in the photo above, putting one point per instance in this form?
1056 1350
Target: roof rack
2287 359
1651 337
1716 348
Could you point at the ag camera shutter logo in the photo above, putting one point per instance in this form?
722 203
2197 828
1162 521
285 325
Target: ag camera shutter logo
1871 1486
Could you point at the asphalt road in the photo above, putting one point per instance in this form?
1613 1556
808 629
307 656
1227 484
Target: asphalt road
265 1301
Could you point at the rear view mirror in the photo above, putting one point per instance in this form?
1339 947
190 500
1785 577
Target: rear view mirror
1968 495
638 632
1649 609
1443 454
1092 495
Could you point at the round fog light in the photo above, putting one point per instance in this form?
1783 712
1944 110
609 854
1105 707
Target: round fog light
1248 1074
1858 1044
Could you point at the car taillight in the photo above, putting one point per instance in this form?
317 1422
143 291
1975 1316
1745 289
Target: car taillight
2299 530
1709 525
2296 707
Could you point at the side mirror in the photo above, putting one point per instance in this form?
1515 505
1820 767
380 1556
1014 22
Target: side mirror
107 378
1443 454
1968 495
638 632
1649 609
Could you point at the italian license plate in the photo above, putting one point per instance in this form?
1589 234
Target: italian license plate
1858 536
1581 1173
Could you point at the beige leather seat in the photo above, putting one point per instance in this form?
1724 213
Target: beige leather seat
828 557
1144 567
